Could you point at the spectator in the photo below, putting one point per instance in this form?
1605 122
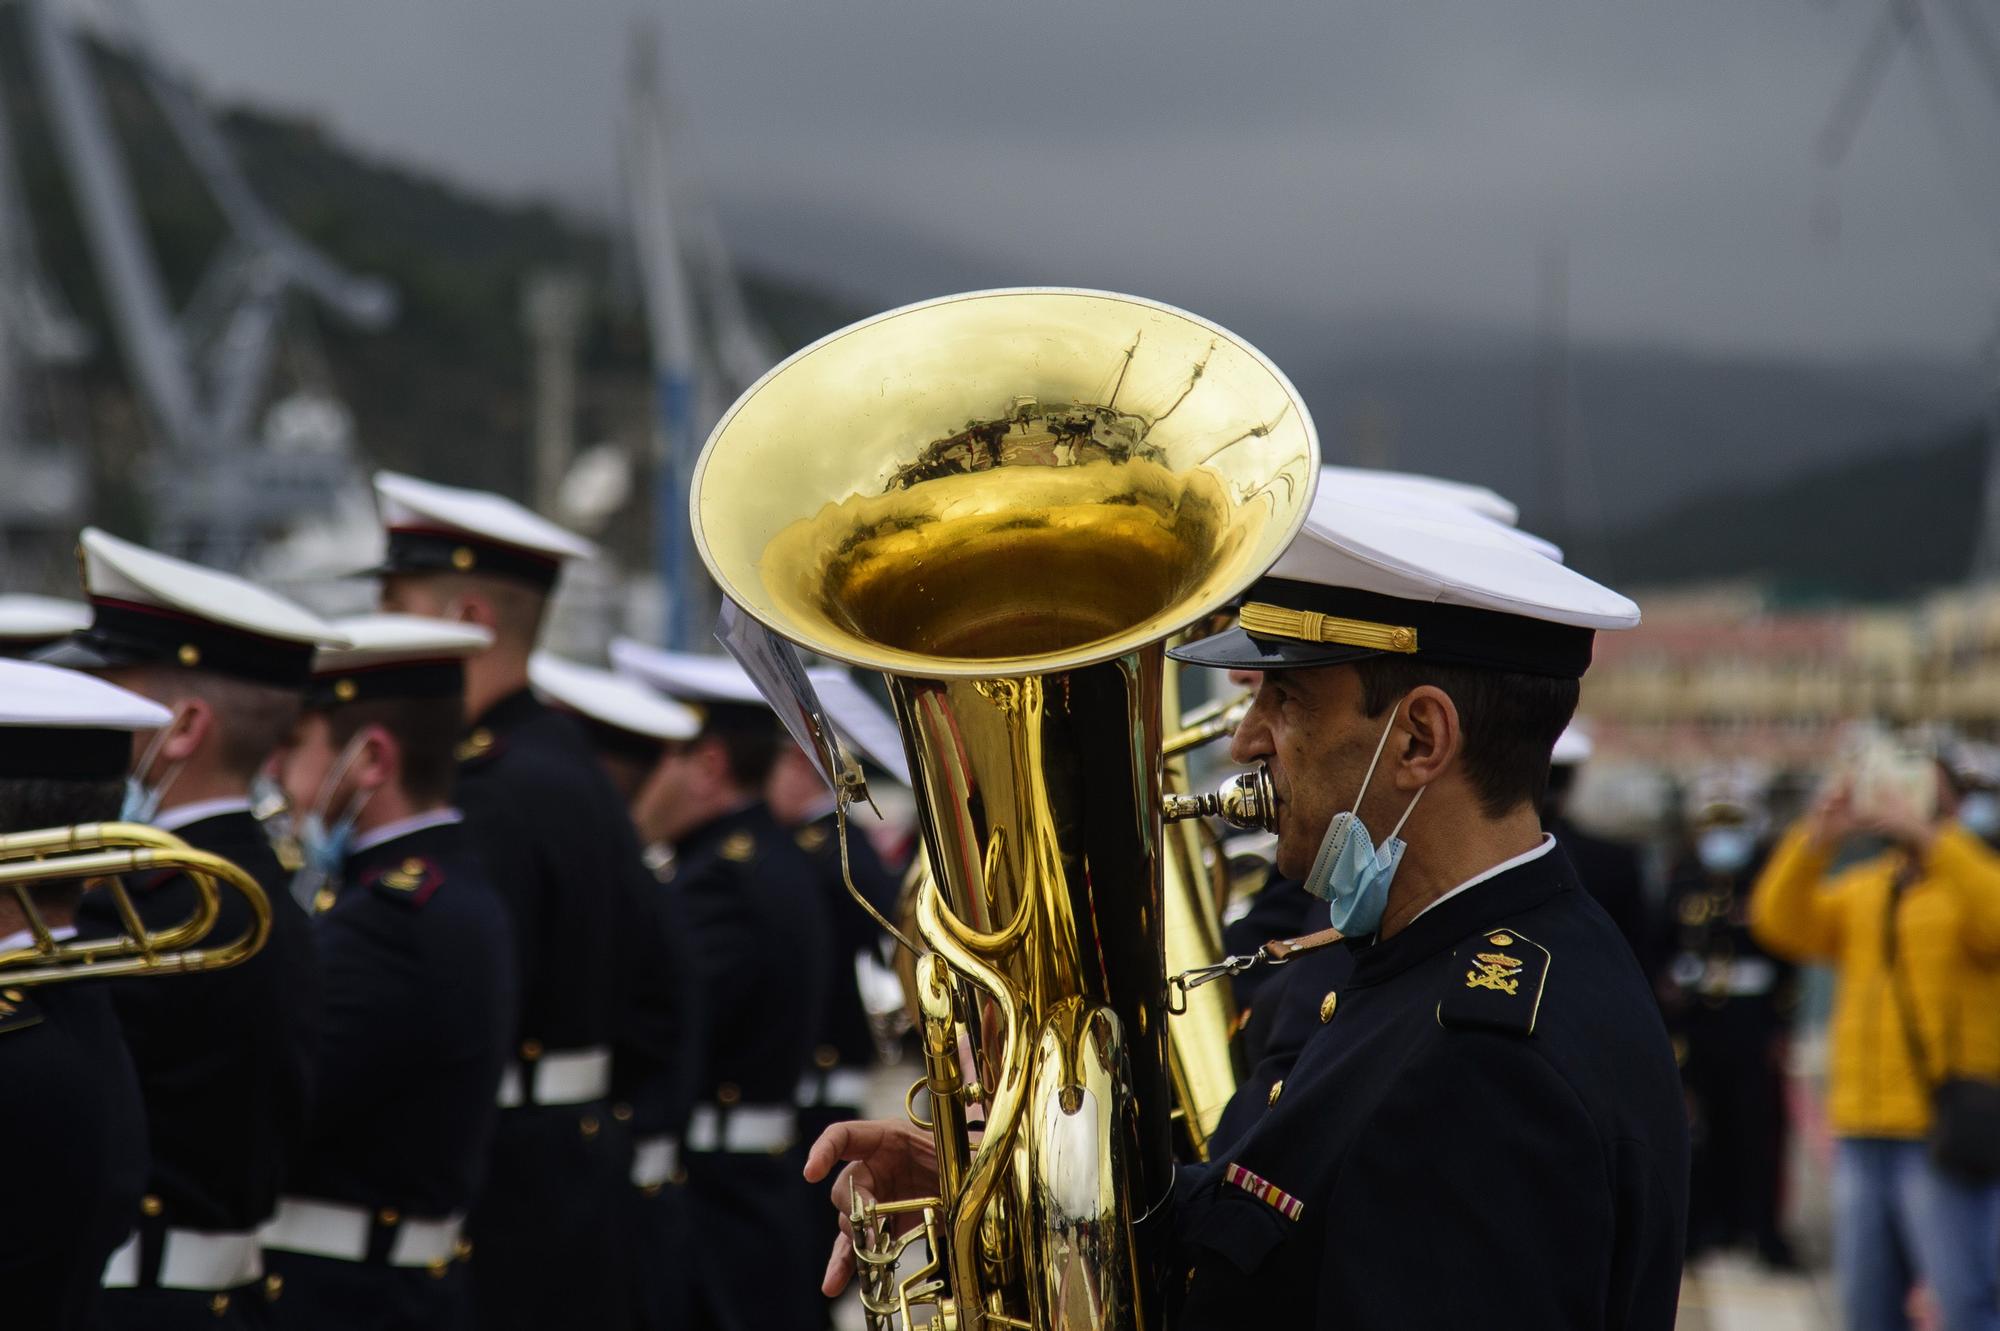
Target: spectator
1913 933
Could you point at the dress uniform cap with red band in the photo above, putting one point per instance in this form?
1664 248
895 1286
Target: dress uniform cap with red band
394 656
620 711
148 608
434 528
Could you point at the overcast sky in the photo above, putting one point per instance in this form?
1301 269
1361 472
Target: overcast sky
1281 166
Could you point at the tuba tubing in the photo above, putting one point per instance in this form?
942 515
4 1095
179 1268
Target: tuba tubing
111 850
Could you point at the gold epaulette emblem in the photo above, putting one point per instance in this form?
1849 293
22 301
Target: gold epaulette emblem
406 877
738 847
475 745
1494 970
811 837
1502 989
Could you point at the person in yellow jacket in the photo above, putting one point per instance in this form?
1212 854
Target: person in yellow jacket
1920 920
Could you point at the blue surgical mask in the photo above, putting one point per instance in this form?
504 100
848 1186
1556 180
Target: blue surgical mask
142 802
323 846
1350 872
1725 850
1979 813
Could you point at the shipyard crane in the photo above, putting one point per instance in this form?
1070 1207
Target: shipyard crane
203 372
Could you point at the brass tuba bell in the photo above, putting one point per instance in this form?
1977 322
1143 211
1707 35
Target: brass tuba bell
1007 501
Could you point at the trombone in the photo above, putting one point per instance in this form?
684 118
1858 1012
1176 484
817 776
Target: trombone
110 850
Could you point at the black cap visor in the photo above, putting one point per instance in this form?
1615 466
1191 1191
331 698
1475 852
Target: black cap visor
84 650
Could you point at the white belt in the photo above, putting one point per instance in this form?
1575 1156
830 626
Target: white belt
565 1077
655 1160
191 1259
846 1087
341 1231
741 1129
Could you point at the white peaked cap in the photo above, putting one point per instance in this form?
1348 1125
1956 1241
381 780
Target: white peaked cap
118 570
407 502
689 676
1433 499
1446 562
611 699
861 721
1414 488
49 697
28 617
1573 747
386 640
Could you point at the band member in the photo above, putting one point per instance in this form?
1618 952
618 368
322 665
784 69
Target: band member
843 1058
759 929
1729 1006
629 726
418 964
69 1101
596 969
30 623
230 659
1492 1083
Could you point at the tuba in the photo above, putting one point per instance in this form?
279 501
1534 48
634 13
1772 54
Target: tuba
94 850
1008 501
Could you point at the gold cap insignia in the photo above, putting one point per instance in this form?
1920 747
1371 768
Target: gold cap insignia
344 690
189 654
463 559
738 847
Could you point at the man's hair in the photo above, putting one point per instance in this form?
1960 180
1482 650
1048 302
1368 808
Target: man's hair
30 803
1510 721
426 730
251 719
749 739
518 609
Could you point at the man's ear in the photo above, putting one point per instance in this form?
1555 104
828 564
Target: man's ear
475 608
379 761
194 721
1433 737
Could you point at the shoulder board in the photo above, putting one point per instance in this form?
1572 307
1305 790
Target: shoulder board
1495 984
18 1011
738 848
482 745
810 838
412 881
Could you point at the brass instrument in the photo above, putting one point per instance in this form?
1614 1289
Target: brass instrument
1007 501
94 850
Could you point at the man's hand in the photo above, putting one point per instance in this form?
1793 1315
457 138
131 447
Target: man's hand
887 1161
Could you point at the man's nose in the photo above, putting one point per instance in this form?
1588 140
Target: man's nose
1252 740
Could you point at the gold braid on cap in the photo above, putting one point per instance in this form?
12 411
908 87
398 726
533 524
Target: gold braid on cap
1277 621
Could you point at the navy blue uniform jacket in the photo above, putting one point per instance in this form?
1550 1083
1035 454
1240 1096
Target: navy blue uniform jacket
1488 1131
69 1109
224 1059
419 970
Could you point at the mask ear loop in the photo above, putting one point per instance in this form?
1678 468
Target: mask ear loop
1380 745
327 788
152 754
